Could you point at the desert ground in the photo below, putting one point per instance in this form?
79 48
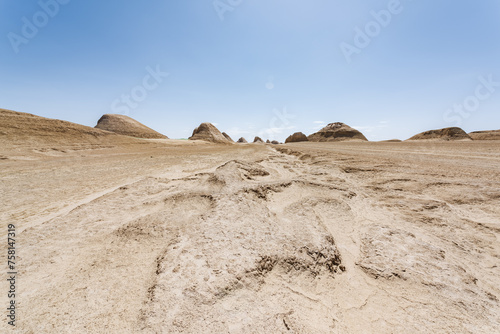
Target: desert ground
172 236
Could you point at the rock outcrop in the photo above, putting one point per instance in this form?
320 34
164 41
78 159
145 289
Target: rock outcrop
258 140
242 141
28 130
208 132
228 137
445 134
296 137
337 132
485 135
127 126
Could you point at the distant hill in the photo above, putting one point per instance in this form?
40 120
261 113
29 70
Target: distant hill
23 129
485 135
208 132
337 132
258 140
242 141
452 133
296 137
127 126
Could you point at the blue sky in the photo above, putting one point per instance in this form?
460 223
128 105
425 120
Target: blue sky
260 67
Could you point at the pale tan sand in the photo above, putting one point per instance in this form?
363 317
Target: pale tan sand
165 236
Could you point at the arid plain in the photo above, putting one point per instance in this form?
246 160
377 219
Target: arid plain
126 235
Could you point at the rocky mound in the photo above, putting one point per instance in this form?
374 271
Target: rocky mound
453 133
275 142
391 141
258 140
296 137
127 126
485 135
336 132
208 132
242 140
28 130
228 137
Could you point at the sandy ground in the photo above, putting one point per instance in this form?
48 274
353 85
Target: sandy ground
182 237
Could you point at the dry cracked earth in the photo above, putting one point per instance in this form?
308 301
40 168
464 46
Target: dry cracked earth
303 238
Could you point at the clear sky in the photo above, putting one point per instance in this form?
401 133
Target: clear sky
262 67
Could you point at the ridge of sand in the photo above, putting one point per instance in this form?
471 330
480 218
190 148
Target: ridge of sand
51 136
19 126
127 126
452 133
485 135
337 132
